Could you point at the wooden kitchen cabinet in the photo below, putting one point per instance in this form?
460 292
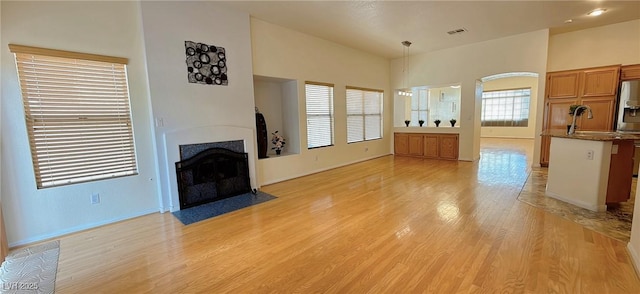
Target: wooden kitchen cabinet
563 84
630 72
595 87
620 172
448 145
603 109
415 144
427 145
601 81
545 144
431 146
557 113
401 144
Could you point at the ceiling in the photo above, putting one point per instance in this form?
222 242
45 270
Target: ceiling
379 27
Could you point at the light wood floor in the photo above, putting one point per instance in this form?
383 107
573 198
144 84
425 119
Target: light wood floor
389 225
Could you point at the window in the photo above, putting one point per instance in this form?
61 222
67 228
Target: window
429 104
364 114
506 108
419 106
77 114
319 114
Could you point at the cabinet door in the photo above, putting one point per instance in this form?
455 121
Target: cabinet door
601 81
603 109
401 144
620 172
448 146
563 84
545 146
557 113
415 144
630 72
431 146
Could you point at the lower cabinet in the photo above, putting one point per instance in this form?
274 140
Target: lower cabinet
426 145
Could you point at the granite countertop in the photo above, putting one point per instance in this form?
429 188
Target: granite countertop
593 135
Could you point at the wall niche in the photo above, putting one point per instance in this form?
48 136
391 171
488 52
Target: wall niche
277 100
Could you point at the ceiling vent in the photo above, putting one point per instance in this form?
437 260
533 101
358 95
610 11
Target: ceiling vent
457 31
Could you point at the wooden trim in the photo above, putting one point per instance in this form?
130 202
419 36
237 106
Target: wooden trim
584 69
630 72
66 54
364 89
318 84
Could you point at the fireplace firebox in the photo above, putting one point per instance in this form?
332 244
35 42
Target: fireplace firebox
212 174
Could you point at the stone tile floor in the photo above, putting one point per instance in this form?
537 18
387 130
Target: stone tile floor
615 222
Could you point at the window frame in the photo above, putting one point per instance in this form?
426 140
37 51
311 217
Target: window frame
77 109
330 114
363 114
510 104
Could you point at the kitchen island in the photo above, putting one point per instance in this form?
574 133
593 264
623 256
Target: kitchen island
590 169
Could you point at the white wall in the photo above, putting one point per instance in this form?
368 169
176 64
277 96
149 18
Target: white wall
186 107
466 65
514 83
607 45
281 52
108 28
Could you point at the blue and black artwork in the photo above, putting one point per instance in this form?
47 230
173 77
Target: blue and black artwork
206 64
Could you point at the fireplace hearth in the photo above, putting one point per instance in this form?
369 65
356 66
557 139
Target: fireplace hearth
210 175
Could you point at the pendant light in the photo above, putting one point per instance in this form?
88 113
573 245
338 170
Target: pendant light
405 68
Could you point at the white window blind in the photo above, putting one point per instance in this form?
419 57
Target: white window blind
506 108
77 114
364 114
319 99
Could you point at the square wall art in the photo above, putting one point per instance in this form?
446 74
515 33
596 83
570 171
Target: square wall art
206 64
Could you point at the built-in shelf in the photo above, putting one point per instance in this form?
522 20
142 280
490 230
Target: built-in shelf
277 100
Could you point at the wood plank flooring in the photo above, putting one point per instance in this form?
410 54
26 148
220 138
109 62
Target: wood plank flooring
388 225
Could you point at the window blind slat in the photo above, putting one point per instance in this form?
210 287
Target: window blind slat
78 118
319 100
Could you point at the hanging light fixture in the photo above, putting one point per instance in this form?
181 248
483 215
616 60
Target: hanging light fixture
405 68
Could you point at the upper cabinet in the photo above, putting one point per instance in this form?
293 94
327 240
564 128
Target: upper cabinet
595 87
602 81
630 72
563 84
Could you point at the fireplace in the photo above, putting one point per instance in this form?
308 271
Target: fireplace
211 174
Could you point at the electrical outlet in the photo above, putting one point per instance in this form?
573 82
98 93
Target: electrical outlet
590 154
95 198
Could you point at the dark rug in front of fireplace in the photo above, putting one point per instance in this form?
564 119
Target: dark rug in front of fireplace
211 209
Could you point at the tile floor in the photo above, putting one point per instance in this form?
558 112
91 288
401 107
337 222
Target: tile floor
615 222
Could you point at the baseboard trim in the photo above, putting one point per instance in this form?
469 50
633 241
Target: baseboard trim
76 229
585 205
321 170
635 260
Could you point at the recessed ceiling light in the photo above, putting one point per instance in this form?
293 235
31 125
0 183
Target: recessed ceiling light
568 21
596 12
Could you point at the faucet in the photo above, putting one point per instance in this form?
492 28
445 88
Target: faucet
572 129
